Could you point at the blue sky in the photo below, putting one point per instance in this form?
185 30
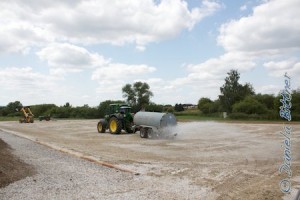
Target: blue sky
83 52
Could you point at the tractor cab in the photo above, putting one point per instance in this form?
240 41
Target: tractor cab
124 109
117 108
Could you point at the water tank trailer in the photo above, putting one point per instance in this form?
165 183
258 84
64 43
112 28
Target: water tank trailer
153 124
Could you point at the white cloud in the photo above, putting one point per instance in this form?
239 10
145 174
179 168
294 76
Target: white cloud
221 65
70 57
23 83
115 71
30 23
207 77
273 25
21 36
67 57
278 69
24 78
269 89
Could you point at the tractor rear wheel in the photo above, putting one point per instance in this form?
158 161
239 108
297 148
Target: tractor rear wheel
115 125
101 126
129 127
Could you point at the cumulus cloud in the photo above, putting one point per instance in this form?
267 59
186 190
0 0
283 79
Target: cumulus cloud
269 89
24 83
21 36
270 33
24 77
278 68
273 25
120 71
112 77
70 57
25 24
62 57
207 77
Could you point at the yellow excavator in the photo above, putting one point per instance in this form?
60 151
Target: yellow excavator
28 116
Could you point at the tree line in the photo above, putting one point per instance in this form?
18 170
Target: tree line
241 101
136 95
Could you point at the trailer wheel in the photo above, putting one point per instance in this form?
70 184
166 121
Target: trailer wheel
150 133
144 133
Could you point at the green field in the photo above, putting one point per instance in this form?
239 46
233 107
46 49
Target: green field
9 118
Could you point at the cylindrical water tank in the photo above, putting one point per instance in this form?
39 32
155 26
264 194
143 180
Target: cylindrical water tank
154 119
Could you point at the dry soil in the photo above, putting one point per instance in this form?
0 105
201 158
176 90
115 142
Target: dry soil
216 160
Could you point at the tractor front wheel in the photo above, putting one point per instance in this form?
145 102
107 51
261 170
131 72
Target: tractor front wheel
115 125
101 126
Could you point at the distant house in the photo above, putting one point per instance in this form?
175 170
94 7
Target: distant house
189 106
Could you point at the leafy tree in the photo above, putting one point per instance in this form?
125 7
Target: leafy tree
296 102
137 94
3 111
250 106
12 107
129 94
232 91
67 105
204 105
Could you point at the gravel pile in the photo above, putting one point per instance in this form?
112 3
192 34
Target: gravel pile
61 176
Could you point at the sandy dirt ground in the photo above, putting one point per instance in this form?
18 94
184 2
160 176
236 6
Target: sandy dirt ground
218 160
11 167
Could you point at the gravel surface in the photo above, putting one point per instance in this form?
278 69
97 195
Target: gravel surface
61 176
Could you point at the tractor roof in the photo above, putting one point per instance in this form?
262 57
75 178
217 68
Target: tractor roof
125 106
120 105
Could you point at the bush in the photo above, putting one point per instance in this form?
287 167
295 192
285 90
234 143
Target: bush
250 106
43 109
169 110
154 108
238 116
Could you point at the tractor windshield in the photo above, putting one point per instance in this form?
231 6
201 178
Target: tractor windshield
125 109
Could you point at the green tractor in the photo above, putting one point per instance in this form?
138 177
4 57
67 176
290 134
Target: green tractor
118 118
